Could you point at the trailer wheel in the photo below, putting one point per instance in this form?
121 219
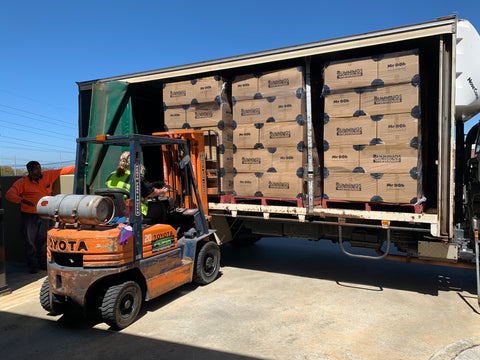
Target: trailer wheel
121 304
244 238
47 301
207 264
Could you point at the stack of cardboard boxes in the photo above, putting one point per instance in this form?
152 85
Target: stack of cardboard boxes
204 104
371 129
269 121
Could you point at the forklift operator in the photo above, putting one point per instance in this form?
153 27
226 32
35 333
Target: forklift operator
120 178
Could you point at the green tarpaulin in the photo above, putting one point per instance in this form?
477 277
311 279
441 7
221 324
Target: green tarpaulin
110 114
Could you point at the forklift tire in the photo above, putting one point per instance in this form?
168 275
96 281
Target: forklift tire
207 264
121 304
47 302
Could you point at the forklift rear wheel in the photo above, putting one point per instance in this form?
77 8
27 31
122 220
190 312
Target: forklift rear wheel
207 263
47 301
121 304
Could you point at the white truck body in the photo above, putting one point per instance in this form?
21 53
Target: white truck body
449 50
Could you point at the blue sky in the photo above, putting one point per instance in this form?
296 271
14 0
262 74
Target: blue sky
46 46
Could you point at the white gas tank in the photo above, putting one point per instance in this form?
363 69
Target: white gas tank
72 208
467 99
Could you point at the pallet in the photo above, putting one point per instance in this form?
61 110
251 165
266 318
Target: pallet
254 200
372 206
213 197
267 201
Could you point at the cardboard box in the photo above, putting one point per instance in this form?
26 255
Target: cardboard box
397 129
178 93
349 74
390 99
397 188
289 159
245 160
226 163
350 130
392 159
245 184
275 83
317 186
399 67
244 87
389 69
342 104
271 109
251 111
282 185
288 108
209 115
282 82
282 134
211 89
293 160
202 90
247 136
226 184
341 158
349 186
175 117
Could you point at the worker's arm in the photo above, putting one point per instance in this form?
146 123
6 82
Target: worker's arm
53 175
148 190
158 192
14 194
67 170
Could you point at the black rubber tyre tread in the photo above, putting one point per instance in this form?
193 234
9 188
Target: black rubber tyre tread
110 307
245 238
45 295
208 252
52 307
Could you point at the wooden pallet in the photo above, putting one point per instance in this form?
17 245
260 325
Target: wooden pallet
234 199
372 206
267 201
215 198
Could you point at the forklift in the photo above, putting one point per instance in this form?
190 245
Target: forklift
105 257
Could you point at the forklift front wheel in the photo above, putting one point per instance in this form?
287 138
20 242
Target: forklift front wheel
207 263
121 304
48 302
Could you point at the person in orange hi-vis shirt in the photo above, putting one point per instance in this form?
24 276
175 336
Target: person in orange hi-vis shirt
28 191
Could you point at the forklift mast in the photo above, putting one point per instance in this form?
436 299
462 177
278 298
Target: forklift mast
173 159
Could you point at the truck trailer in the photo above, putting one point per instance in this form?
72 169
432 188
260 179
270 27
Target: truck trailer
380 159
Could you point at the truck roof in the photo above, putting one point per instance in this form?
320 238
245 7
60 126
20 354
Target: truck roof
444 25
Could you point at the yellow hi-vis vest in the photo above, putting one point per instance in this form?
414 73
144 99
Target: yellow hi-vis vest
123 182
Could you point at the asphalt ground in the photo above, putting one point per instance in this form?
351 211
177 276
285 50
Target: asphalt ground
278 299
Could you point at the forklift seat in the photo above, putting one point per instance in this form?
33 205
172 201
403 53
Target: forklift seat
158 209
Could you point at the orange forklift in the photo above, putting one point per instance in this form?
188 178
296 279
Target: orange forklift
105 257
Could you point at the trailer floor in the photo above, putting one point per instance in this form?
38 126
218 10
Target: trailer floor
278 299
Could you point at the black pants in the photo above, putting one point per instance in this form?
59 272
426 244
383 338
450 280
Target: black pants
34 230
